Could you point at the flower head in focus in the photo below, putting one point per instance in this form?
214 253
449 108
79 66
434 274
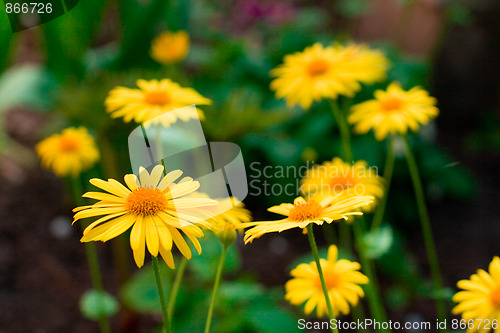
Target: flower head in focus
170 47
154 206
342 279
321 72
394 111
68 153
338 177
155 98
301 213
479 301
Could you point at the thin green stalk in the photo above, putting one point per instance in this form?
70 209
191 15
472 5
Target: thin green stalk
430 247
91 253
176 285
388 169
345 133
315 253
161 292
218 276
372 290
373 294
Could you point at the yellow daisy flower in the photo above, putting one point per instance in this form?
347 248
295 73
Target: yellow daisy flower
230 220
301 213
154 206
170 47
152 99
342 279
479 301
394 111
69 153
338 177
325 72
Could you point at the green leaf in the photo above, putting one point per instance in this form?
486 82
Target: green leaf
69 37
353 8
271 319
378 242
205 265
96 304
28 85
140 292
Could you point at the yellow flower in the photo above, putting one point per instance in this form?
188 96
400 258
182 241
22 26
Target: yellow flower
229 220
479 302
301 213
394 111
342 279
338 177
325 72
155 207
68 153
170 47
152 99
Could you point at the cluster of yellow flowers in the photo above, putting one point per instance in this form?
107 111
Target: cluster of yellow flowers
160 209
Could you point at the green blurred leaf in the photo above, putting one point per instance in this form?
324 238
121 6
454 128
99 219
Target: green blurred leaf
378 242
28 85
458 13
353 8
204 266
96 304
69 37
271 319
140 292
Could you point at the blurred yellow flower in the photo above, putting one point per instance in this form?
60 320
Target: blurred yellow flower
301 213
152 99
170 47
479 302
69 153
325 72
342 279
394 111
338 177
155 207
229 221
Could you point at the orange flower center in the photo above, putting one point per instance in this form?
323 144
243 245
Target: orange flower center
332 280
157 98
391 104
305 211
342 182
68 144
146 201
495 297
317 67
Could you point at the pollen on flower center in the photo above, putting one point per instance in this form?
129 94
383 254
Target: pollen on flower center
157 98
391 104
332 280
317 67
305 211
146 201
495 297
342 182
67 145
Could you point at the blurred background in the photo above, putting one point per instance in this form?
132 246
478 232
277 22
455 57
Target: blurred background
59 73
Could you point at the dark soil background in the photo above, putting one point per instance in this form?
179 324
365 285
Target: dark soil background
43 273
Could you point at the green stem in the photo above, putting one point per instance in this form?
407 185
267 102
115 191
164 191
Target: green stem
388 169
345 133
161 293
315 253
426 229
218 276
373 294
372 290
175 287
91 253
